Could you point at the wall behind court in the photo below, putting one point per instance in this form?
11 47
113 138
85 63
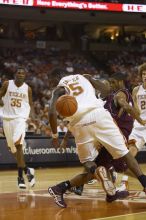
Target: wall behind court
39 151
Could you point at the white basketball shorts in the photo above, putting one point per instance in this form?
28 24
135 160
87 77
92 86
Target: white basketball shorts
14 130
138 134
94 127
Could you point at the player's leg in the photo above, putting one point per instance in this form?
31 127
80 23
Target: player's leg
132 148
87 145
87 153
135 143
120 166
18 138
103 159
57 191
109 135
85 133
8 126
113 167
20 164
124 185
137 139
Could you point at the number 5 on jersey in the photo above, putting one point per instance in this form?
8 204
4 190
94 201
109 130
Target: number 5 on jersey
76 88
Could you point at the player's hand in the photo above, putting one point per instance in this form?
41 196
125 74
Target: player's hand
55 142
1 103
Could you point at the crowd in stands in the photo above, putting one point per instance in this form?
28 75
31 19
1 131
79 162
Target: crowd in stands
40 63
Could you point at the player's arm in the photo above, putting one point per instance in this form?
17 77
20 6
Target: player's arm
63 143
32 112
120 99
67 135
98 85
134 93
3 91
52 111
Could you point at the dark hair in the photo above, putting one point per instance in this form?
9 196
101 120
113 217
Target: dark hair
118 76
141 68
20 68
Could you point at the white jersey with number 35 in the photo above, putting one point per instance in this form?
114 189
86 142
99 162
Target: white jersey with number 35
16 101
79 87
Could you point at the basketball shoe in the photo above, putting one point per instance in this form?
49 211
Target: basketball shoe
30 176
107 184
21 183
57 193
113 174
111 193
78 190
90 182
123 187
118 195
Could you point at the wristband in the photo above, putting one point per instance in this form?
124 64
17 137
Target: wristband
55 135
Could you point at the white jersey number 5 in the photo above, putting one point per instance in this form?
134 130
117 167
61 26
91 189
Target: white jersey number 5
76 88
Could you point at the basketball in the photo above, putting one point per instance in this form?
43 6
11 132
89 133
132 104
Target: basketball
66 105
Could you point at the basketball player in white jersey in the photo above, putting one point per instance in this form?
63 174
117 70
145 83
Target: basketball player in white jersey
90 124
16 99
137 137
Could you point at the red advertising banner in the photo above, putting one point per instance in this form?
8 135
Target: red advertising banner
77 5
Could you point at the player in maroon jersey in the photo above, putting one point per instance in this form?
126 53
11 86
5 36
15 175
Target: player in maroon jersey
120 104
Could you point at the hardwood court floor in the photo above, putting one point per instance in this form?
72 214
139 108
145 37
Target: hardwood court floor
38 205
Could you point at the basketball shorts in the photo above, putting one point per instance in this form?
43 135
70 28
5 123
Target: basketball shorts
138 134
14 130
98 126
